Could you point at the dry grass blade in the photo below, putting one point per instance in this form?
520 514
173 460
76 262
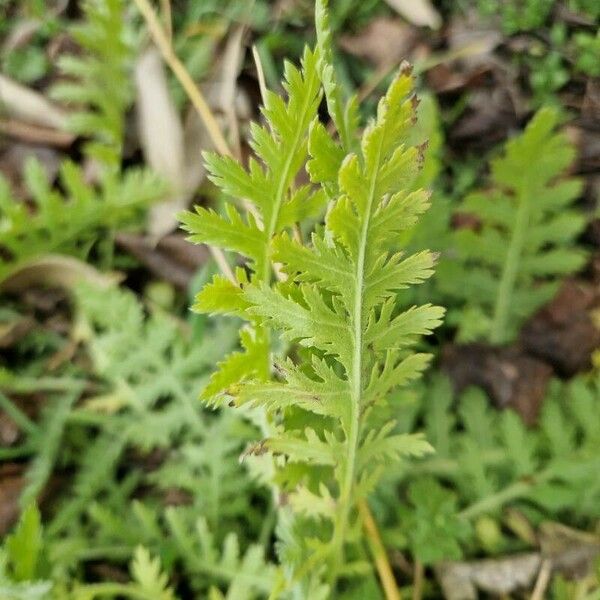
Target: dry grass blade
384 570
160 39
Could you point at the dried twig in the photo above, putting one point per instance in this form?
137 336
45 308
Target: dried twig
160 39
539 591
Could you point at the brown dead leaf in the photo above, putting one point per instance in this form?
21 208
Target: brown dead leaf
172 258
511 378
468 32
383 42
490 117
562 333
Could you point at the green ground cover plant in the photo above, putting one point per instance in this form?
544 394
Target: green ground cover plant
285 424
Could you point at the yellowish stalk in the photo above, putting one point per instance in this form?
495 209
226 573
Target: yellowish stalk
384 570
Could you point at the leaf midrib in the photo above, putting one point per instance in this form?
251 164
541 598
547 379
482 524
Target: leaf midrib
355 377
281 185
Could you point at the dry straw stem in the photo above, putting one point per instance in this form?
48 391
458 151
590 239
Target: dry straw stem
160 39
162 42
379 554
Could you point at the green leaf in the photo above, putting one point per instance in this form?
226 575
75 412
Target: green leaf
524 245
24 544
146 571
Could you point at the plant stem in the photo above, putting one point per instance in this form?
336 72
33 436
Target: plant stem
419 578
382 564
160 39
162 42
509 273
512 492
356 384
539 591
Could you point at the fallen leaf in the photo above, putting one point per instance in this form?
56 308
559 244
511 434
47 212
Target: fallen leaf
472 40
510 377
461 580
55 271
383 42
417 12
172 258
571 552
562 333
24 104
161 137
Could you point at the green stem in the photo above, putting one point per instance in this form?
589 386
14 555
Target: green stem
17 415
356 384
282 185
509 273
512 492
118 589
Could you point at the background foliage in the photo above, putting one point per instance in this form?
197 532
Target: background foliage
117 482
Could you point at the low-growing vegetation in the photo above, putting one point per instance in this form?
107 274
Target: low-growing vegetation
299 301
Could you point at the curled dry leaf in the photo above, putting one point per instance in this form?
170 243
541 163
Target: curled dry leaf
417 12
24 104
55 271
161 137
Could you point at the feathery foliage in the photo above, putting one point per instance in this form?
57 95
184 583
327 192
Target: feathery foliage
276 204
70 222
73 221
150 370
512 262
246 575
493 462
339 298
100 84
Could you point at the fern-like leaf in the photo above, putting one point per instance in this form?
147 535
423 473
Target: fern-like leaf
146 571
268 185
70 222
513 262
100 83
341 306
